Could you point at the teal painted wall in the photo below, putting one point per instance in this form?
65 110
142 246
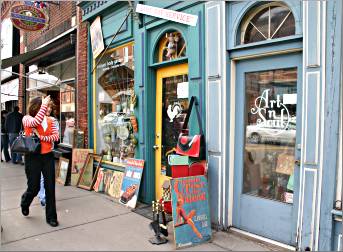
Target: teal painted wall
146 37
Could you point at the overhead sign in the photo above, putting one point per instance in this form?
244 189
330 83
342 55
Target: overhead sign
29 18
96 37
176 16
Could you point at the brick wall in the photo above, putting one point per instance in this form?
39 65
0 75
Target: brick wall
82 77
59 22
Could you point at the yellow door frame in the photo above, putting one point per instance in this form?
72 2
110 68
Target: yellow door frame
160 74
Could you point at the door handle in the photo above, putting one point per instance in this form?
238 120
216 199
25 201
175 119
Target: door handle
155 147
297 162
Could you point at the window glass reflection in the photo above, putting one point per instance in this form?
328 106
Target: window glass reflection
270 134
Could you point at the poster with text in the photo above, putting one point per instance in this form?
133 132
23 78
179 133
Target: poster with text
79 157
131 182
97 40
191 214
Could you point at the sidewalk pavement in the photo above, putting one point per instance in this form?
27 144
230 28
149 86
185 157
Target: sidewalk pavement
88 221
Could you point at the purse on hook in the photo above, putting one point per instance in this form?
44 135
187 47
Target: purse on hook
192 146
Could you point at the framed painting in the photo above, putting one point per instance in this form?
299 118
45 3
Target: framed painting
62 170
88 175
79 157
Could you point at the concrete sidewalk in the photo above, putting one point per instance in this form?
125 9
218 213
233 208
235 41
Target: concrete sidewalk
88 221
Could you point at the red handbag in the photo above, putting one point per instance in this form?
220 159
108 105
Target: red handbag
192 146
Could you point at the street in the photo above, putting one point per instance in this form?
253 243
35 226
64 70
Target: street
88 221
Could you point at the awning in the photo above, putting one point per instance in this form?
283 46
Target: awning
24 57
9 91
37 54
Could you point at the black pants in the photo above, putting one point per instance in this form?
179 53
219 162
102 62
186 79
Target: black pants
4 146
34 165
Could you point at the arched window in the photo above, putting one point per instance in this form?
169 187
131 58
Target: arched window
269 21
171 46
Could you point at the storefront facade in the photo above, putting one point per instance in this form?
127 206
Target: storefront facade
275 157
266 80
137 69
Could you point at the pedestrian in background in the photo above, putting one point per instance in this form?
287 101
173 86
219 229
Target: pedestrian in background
36 122
13 126
4 137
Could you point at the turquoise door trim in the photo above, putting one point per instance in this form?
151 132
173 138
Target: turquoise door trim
268 218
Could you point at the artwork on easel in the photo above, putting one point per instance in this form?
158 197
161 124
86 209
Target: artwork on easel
190 209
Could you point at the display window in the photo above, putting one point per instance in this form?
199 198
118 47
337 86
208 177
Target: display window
58 81
172 46
114 100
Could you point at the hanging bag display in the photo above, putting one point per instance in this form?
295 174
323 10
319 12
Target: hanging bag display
192 146
26 144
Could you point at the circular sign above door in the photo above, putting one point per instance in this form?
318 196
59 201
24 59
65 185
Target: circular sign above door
29 18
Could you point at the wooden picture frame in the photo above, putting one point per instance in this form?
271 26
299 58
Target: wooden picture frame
62 170
88 176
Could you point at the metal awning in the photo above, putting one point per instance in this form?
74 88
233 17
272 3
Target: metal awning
24 57
37 54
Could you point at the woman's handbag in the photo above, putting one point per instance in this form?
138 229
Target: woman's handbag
192 146
26 144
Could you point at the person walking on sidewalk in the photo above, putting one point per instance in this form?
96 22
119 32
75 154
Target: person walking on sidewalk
36 122
41 193
13 125
4 137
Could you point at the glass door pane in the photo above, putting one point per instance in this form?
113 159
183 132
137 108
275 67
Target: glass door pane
270 134
174 110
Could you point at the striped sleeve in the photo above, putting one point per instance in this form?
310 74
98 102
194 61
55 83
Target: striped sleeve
54 137
32 122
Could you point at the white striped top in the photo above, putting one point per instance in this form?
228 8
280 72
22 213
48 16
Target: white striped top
33 122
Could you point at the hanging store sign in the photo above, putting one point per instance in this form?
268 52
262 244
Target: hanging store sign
29 18
176 16
96 37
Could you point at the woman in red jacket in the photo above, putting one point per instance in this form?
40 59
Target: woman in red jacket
36 122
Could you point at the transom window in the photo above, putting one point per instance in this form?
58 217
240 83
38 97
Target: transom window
171 46
266 22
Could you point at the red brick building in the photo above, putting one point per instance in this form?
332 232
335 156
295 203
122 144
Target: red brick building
53 62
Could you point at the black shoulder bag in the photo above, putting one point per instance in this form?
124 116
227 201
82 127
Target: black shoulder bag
26 144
